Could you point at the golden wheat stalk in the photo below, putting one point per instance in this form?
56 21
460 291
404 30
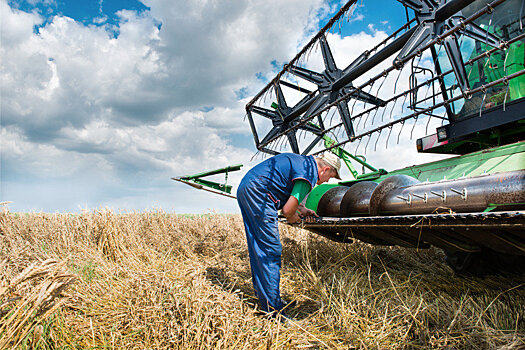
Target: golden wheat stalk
157 280
42 284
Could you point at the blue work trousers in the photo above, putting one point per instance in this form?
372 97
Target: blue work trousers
259 212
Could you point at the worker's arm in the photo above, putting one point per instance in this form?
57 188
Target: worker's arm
292 210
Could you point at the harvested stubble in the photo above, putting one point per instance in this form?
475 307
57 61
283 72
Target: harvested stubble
156 280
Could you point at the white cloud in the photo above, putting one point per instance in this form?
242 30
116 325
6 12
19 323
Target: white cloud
357 18
48 161
16 26
112 118
121 114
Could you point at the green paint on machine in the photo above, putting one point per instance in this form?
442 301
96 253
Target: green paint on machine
490 161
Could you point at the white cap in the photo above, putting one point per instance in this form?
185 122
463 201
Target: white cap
333 161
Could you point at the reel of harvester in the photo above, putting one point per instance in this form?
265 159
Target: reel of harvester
456 66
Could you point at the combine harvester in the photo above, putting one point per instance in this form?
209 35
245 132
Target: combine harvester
456 67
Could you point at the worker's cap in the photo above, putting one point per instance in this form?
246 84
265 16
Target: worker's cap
332 160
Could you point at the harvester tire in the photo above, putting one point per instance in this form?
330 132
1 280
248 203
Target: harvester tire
485 262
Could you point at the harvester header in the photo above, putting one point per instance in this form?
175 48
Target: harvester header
452 77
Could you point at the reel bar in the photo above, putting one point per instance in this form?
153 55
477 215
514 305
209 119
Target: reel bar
370 63
429 109
312 42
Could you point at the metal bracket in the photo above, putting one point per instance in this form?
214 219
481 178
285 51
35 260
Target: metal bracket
197 182
463 193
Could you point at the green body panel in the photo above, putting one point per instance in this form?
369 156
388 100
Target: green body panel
494 160
490 161
315 195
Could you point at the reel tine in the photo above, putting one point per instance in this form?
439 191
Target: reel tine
506 94
358 123
428 123
367 115
382 82
404 101
397 79
358 144
369 92
400 131
414 126
341 135
366 146
355 101
392 110
388 137
332 117
377 140
383 114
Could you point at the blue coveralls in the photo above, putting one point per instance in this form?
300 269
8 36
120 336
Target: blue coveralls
264 190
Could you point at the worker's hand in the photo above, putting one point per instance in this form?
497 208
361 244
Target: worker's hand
292 219
310 218
305 212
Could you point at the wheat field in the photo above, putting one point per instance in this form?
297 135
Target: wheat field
155 280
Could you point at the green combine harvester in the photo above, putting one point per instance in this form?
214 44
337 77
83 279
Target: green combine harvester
456 67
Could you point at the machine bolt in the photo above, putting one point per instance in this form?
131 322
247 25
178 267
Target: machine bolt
408 200
424 197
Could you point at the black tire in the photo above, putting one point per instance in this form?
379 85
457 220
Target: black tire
486 262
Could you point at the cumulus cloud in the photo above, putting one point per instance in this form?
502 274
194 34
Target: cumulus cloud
104 114
122 108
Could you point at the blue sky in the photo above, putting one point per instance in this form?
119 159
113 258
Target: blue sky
104 101
86 12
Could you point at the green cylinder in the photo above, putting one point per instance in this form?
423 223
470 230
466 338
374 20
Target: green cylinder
315 195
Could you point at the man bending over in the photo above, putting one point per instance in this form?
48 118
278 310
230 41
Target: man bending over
278 183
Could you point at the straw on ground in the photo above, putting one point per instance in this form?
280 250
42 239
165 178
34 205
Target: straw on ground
158 280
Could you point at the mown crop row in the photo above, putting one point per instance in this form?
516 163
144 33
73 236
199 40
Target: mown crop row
156 280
